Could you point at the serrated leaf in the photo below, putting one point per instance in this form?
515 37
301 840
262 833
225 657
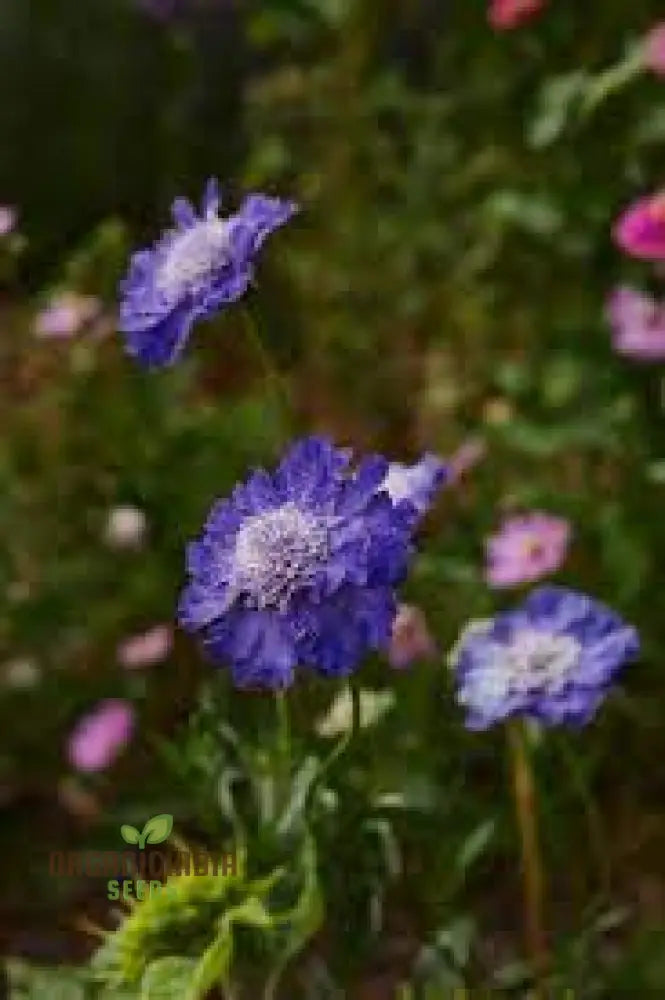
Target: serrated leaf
157 829
129 834
30 983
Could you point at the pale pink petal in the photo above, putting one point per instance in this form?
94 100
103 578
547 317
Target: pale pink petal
98 737
411 639
147 649
527 548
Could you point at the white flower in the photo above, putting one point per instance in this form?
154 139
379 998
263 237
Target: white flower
125 527
338 719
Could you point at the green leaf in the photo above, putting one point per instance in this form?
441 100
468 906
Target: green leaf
130 834
251 912
213 968
30 983
157 829
168 979
475 846
299 924
614 79
555 103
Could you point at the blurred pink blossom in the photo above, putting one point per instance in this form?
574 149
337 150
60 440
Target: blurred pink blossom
527 547
66 314
98 737
411 639
638 324
507 14
8 219
654 51
640 229
146 649
125 527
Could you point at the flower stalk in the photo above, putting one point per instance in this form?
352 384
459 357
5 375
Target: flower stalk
532 868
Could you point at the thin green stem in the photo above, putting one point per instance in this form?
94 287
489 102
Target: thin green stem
283 748
275 380
532 870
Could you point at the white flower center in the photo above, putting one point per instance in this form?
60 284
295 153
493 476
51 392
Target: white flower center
278 553
534 662
537 661
193 256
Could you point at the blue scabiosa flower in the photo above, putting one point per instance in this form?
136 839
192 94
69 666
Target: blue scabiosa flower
551 660
196 269
298 567
416 483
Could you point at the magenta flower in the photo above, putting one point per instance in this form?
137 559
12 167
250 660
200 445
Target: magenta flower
146 649
507 14
638 324
98 737
527 547
66 314
640 229
411 639
8 219
654 50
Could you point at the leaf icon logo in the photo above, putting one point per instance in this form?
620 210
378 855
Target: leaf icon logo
155 831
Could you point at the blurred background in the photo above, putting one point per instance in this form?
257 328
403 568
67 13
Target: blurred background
444 288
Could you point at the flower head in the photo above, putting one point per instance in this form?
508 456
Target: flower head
66 314
125 527
146 649
527 547
416 483
196 269
8 219
298 568
99 737
640 229
654 50
638 325
410 639
551 660
507 14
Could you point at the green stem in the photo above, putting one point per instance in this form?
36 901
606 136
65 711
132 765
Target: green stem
274 378
283 749
532 871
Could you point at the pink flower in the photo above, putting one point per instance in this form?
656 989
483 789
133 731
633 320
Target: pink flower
411 639
507 14
638 325
8 218
66 314
527 547
147 649
98 738
654 50
640 229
